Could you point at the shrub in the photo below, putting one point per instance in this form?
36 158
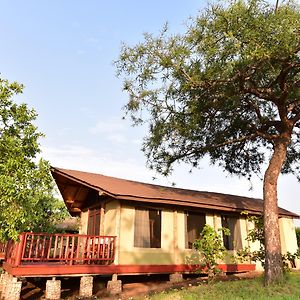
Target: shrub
298 236
210 249
257 234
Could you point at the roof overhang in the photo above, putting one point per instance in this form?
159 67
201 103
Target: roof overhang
76 194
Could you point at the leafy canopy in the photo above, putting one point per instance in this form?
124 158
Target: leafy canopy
227 88
27 201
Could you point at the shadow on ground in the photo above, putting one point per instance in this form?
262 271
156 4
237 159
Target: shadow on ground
133 285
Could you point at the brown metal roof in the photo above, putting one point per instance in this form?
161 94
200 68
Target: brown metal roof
75 186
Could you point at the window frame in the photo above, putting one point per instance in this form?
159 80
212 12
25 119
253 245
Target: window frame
94 227
232 242
188 240
153 229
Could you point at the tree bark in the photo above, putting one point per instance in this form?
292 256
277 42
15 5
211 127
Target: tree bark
273 259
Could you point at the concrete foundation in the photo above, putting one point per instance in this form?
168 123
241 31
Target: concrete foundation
176 277
5 279
86 286
53 289
13 289
114 286
3 282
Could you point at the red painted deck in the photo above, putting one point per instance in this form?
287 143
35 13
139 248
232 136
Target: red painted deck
51 269
75 254
58 250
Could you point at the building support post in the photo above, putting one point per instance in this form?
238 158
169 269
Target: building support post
176 277
53 289
114 286
13 289
4 280
86 286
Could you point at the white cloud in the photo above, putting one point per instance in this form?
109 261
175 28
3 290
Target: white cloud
108 127
137 141
114 130
118 138
89 160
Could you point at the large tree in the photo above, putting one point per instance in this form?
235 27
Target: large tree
27 201
228 88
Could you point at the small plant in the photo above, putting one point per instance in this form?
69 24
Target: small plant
257 234
298 236
210 249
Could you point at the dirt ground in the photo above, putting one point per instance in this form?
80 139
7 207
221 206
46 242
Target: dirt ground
133 286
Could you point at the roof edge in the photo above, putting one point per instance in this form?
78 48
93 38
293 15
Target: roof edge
58 171
171 201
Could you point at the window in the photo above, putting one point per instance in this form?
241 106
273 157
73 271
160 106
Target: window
234 240
147 228
94 222
194 225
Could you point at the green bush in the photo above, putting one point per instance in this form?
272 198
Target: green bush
298 236
210 249
257 234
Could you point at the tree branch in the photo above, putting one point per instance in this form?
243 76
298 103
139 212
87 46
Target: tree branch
281 78
261 93
245 138
256 109
293 105
296 119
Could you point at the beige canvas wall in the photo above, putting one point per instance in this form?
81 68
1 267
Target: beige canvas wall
134 255
172 249
119 221
83 222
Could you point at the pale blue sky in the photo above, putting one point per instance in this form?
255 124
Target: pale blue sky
62 51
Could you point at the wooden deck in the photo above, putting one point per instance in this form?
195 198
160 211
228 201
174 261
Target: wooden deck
55 269
41 251
75 254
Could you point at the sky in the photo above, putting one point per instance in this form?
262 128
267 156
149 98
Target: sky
63 53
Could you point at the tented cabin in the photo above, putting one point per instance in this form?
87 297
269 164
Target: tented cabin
129 227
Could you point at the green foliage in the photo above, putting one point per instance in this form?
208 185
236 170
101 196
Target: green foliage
298 236
228 87
254 235
257 235
210 249
27 201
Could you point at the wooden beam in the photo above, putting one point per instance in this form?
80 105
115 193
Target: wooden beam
56 269
75 210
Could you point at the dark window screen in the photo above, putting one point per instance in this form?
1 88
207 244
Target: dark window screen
94 222
194 225
234 240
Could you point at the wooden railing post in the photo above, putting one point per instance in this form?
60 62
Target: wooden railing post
64 248
19 251
114 252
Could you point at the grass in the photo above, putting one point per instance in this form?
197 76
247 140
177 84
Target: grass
238 289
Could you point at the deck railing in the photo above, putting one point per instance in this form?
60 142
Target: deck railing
61 248
2 250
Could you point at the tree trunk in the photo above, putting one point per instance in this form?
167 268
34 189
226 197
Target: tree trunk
273 259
